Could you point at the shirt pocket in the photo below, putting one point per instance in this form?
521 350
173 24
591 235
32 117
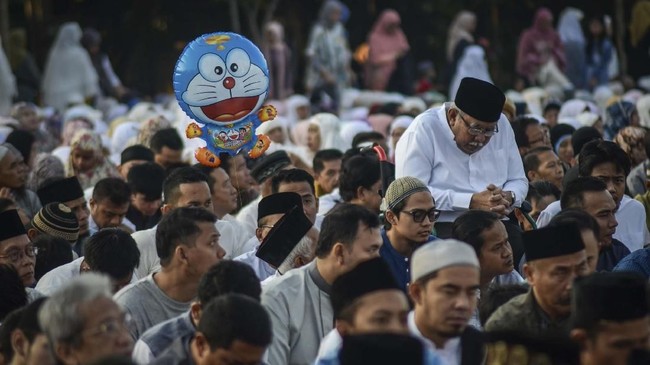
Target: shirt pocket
492 168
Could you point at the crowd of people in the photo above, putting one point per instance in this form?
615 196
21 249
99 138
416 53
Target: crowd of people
482 227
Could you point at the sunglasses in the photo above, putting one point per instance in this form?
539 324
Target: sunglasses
419 214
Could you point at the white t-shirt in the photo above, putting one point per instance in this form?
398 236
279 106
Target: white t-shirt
60 276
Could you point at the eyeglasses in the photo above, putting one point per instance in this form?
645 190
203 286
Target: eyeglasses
111 327
477 131
419 214
15 254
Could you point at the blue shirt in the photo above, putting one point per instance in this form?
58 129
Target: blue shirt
610 256
637 262
159 337
399 265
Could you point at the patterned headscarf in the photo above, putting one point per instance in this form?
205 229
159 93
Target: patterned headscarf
149 127
89 141
630 138
618 116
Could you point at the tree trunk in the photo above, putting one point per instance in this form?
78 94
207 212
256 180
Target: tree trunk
620 36
234 16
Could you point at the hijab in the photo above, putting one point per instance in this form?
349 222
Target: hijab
643 108
569 26
350 129
383 42
7 84
329 126
618 116
87 140
630 138
471 64
460 29
403 121
324 16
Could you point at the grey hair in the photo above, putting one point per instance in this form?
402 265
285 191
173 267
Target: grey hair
305 248
59 317
46 167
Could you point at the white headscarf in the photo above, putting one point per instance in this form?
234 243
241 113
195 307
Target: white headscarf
643 108
460 29
292 103
69 75
7 84
471 64
403 121
569 26
571 108
123 136
350 129
330 127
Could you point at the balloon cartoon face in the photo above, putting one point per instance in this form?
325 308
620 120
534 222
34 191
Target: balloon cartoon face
221 78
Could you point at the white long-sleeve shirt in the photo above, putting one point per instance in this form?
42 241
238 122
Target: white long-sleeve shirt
427 151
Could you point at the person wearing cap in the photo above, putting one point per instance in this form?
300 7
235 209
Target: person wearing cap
263 171
445 278
610 317
15 247
589 231
365 300
271 210
408 222
13 178
606 161
299 301
465 151
133 156
57 220
68 192
145 181
556 256
487 235
381 348
110 251
590 195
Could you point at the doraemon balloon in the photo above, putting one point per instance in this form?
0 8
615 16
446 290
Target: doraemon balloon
221 81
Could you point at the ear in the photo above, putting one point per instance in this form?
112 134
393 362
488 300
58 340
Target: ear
529 274
342 327
91 203
195 312
391 217
451 116
579 336
32 234
180 253
166 208
531 175
520 216
415 292
523 150
299 261
360 193
202 346
337 253
19 343
65 353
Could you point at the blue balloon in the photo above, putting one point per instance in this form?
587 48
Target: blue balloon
221 80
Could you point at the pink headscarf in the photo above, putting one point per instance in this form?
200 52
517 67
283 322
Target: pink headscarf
384 48
538 44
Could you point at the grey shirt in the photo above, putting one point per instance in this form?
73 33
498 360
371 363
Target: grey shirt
148 305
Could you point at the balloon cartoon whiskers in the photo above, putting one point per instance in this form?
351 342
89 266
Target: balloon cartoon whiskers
221 80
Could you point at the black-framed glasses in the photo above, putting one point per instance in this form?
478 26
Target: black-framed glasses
419 214
477 131
15 254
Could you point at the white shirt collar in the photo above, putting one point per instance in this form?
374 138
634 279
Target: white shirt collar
449 355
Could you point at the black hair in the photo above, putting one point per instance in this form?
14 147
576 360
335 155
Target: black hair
497 296
599 152
341 225
233 317
114 360
12 289
178 226
113 252
52 253
5 203
208 173
595 42
292 176
362 137
519 126
578 218
531 159
469 226
229 276
146 179
29 324
114 189
646 143
573 194
539 189
552 105
167 137
9 324
328 155
183 175
359 171
170 168
22 141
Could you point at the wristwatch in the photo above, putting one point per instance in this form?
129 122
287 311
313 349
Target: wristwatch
513 197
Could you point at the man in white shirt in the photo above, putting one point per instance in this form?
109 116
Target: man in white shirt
109 203
110 251
606 161
466 153
445 278
184 187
